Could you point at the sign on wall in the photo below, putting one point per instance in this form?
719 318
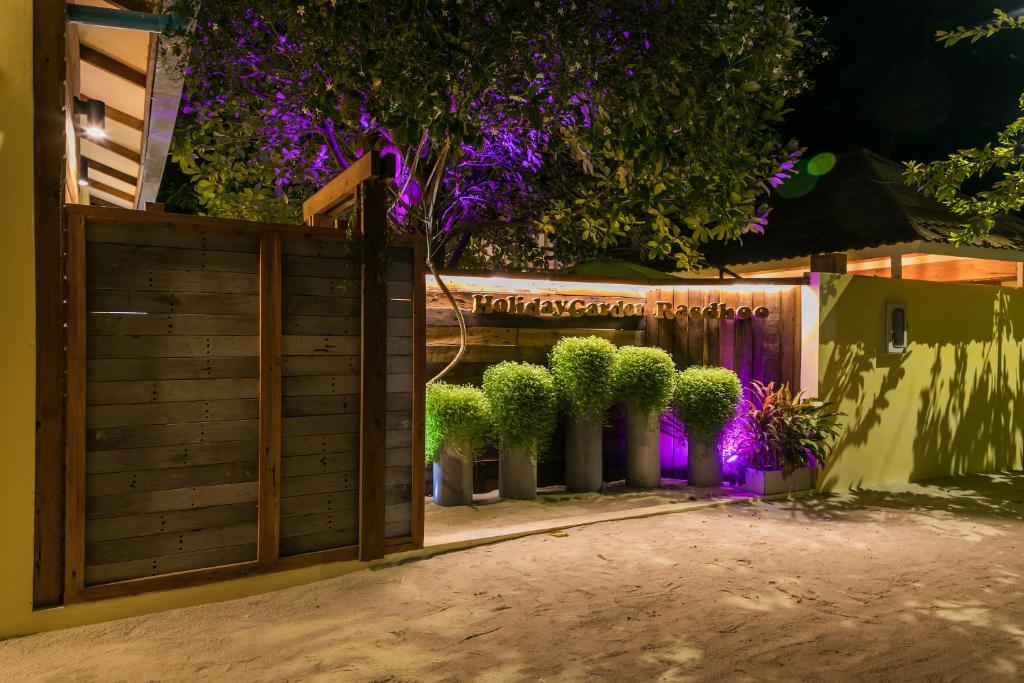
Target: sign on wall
581 308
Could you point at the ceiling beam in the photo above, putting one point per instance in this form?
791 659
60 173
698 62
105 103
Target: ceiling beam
100 167
100 201
112 66
120 150
124 119
97 186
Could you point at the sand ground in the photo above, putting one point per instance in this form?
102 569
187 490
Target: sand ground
917 584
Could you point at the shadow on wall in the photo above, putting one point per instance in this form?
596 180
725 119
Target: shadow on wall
952 403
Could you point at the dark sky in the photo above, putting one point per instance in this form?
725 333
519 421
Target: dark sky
889 87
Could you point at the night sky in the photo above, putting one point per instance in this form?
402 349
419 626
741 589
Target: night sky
889 87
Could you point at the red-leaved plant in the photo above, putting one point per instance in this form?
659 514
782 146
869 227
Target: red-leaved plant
787 432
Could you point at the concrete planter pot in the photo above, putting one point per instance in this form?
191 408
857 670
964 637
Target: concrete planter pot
643 449
517 473
769 482
453 474
584 443
703 462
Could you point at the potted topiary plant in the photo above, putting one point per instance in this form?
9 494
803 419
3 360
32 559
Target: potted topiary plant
643 379
790 437
705 398
582 368
458 422
523 409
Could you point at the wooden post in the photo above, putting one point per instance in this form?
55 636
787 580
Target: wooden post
1020 275
48 75
372 207
828 263
74 468
896 267
269 506
419 377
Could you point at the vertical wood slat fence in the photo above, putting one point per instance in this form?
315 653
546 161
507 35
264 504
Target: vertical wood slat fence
241 397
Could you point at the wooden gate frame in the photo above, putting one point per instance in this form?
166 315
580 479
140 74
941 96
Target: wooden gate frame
361 187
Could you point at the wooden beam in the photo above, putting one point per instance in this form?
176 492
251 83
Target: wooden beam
74 481
1020 275
124 119
112 66
49 145
113 192
828 263
101 202
100 167
372 207
896 266
269 507
120 150
419 378
325 202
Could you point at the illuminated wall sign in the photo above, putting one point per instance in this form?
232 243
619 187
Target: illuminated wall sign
713 311
580 308
576 308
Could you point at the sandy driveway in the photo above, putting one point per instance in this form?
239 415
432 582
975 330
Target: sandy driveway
920 585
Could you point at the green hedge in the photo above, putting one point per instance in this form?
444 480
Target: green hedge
456 412
523 403
705 398
582 369
643 377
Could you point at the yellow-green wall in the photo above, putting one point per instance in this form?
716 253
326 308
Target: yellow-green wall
17 317
953 403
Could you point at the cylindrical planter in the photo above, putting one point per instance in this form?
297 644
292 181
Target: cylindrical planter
643 453
453 474
705 467
517 473
584 442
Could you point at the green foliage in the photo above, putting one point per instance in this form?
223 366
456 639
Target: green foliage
705 398
643 377
646 128
945 179
788 432
459 412
523 403
582 369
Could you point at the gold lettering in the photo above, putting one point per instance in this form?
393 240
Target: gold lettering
500 306
532 308
664 310
695 312
547 308
576 308
592 309
560 308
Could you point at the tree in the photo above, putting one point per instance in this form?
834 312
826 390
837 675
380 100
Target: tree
615 124
1001 163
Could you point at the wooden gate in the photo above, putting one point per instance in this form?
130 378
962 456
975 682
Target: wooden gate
241 397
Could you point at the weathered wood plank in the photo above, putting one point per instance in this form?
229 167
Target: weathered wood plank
319 483
294 545
312 245
128 369
180 455
302 304
313 425
111 528
329 325
158 545
319 463
270 399
135 414
297 406
295 285
75 506
320 266
316 385
121 571
106 276
318 443
144 391
171 324
304 366
118 438
176 346
153 302
101 256
171 499
170 478
320 345
339 502
306 525
157 236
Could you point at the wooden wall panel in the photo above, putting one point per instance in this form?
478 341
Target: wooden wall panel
398 474
171 400
320 386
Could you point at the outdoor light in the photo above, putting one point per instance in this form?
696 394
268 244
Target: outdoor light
95 112
83 171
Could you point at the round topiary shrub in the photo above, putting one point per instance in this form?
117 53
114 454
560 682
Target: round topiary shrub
523 404
643 377
705 399
582 369
456 412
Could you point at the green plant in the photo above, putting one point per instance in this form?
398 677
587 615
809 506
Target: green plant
523 403
456 412
643 377
787 432
582 369
705 398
